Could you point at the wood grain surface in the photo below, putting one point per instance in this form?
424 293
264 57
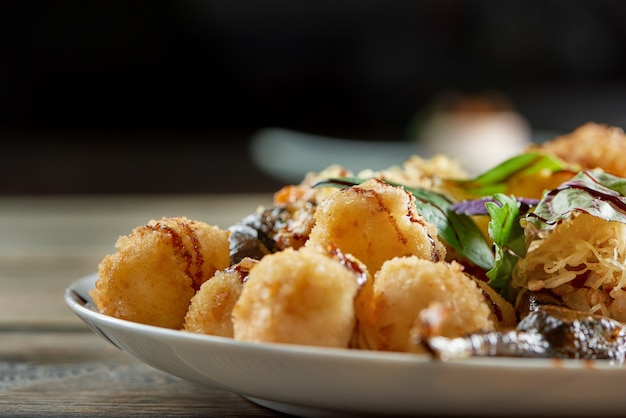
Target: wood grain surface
51 363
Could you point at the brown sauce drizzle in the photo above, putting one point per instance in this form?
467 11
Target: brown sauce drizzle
195 259
242 268
410 213
435 254
495 308
353 266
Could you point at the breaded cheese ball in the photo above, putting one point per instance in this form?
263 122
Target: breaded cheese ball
157 269
406 288
591 145
503 312
302 296
210 309
363 337
375 222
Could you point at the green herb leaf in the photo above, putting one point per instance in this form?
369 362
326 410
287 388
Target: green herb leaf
508 236
457 230
496 180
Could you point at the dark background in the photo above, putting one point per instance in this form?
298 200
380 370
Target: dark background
164 96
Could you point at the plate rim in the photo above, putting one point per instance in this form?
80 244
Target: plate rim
86 310
228 358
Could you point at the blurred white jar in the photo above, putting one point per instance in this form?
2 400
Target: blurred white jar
479 131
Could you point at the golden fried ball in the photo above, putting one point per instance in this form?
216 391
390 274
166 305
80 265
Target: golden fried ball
157 269
364 337
210 309
375 222
502 311
406 288
591 145
299 296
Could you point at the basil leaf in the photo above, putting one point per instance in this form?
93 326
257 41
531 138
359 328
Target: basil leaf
508 236
496 180
339 183
457 230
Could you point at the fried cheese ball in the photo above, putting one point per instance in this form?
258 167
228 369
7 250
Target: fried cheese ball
157 269
405 289
364 337
503 312
375 221
303 296
591 145
210 309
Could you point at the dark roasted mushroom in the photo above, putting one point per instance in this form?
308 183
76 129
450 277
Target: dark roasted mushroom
270 230
251 237
546 332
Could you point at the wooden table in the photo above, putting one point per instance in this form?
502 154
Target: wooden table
51 364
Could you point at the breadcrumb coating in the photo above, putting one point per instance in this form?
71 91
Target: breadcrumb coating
375 222
157 269
300 296
406 288
210 309
591 145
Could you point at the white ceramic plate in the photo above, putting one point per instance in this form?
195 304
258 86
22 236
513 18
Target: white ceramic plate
310 381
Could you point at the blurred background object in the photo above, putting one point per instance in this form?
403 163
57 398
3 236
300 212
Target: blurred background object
167 96
479 130
287 155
